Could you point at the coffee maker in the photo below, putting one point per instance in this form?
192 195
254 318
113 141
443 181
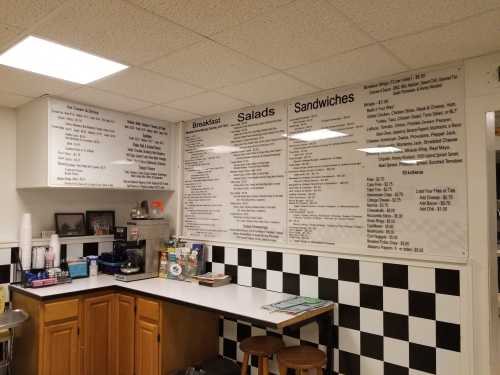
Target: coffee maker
142 249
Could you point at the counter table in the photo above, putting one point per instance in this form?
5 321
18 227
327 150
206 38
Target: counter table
163 324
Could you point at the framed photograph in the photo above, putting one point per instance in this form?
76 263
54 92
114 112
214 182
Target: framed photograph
100 223
70 224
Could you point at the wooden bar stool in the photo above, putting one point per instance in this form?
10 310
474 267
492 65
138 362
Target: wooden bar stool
301 358
261 346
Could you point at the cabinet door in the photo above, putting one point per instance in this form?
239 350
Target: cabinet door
147 348
124 342
98 335
60 349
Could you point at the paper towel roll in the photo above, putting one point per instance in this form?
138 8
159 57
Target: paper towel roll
25 241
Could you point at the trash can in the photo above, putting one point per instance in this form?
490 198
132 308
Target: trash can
220 366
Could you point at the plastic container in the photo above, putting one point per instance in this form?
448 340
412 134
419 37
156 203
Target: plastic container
163 270
49 258
93 268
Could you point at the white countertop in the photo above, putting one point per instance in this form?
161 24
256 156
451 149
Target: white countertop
240 301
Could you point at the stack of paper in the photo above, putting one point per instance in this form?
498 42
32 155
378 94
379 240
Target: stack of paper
297 305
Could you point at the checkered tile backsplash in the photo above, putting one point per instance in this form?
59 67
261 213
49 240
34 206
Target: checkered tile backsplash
71 250
390 319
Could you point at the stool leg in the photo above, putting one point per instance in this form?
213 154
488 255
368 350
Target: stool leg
282 369
244 365
265 366
319 371
261 365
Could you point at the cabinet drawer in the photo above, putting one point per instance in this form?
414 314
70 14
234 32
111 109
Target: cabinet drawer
148 309
61 310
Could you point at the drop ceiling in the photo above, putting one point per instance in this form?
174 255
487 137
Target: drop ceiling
191 58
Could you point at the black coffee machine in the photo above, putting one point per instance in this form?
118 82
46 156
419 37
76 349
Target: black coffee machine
127 257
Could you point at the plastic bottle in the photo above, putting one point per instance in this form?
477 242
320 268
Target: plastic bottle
93 269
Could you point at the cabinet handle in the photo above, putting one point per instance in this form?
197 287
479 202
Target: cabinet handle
158 337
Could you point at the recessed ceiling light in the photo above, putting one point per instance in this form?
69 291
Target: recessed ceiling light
54 60
379 150
317 135
411 161
221 149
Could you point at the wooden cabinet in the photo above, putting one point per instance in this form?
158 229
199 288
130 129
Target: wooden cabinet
147 337
60 348
125 332
111 333
147 348
97 335
59 336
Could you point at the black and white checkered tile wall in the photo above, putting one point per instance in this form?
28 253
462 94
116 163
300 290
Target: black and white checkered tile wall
390 319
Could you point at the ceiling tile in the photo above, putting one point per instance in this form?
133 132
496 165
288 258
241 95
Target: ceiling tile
92 96
7 34
471 37
208 103
209 65
268 89
23 13
148 86
209 17
12 100
350 67
384 19
299 33
29 84
167 113
116 30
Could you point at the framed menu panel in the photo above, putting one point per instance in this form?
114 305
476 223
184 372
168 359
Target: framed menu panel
98 148
234 176
392 179
375 168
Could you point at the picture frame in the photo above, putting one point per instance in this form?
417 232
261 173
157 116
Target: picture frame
70 224
100 223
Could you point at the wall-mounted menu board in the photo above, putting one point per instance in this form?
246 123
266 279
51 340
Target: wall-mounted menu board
373 168
235 176
98 148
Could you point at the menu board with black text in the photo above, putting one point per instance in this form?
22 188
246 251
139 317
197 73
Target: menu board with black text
234 181
373 168
97 148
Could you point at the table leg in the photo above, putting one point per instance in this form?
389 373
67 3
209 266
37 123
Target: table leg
325 323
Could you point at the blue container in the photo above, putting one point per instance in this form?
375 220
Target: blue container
78 269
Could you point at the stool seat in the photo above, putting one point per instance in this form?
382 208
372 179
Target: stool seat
261 345
301 357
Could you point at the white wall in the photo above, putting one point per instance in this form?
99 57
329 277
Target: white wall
9 214
43 203
480 323
482 96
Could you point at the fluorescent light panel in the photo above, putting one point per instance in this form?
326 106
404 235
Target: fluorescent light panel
317 135
379 150
54 60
